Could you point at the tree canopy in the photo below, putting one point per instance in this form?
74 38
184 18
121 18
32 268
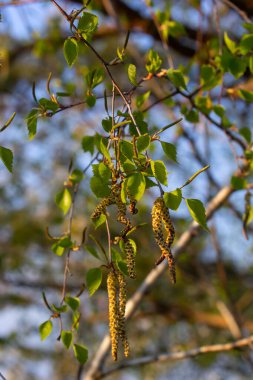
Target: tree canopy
126 182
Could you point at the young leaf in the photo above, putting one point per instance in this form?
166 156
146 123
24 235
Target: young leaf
81 353
173 199
177 78
31 120
132 74
63 200
67 338
231 45
45 329
70 49
88 143
143 142
93 280
6 156
197 211
154 61
238 183
170 150
73 302
92 251
159 171
88 24
99 187
136 185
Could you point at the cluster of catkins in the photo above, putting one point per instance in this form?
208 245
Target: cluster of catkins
115 199
164 234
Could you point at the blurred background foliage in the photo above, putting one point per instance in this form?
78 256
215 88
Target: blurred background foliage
212 301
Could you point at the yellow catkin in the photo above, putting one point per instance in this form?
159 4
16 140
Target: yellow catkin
101 207
132 207
122 310
130 259
113 312
160 219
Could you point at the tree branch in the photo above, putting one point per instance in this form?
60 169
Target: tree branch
179 355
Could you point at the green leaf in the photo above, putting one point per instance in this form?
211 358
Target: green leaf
45 329
192 116
58 250
60 309
246 95
141 99
92 251
88 143
63 200
170 150
73 302
81 353
99 187
246 43
107 124
231 45
219 110
47 104
251 64
93 280
246 133
103 149
31 120
154 62
235 65
6 156
91 100
238 183
122 267
136 185
126 148
159 171
143 142
150 183
94 77
70 49
99 221
67 338
76 176
204 103
197 211
132 74
173 199
88 24
177 78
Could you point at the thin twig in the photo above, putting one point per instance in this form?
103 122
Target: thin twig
240 12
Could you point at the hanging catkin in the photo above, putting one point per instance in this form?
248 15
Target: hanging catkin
130 258
161 219
122 310
113 312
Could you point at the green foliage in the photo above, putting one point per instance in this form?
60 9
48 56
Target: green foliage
93 280
70 49
6 156
67 338
197 211
154 62
87 25
173 199
63 200
132 74
45 329
159 171
81 353
177 78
